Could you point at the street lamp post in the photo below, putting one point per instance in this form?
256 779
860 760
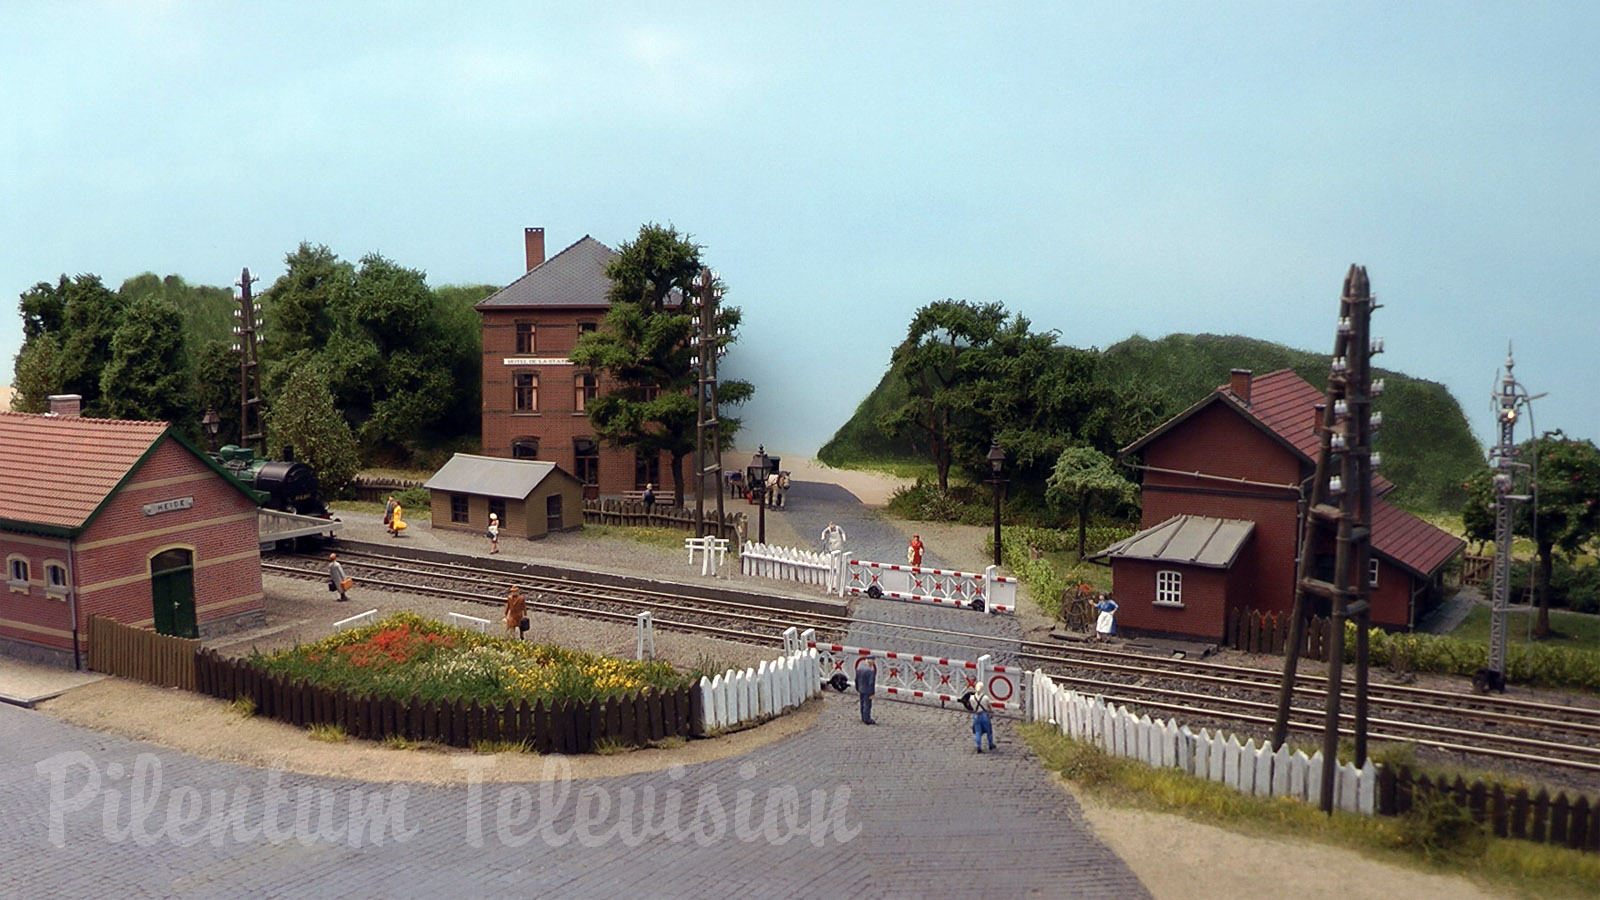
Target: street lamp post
760 488
211 422
997 459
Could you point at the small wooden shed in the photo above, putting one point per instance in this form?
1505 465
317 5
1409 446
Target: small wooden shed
532 498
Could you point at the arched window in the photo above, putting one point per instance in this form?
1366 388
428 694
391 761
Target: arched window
17 573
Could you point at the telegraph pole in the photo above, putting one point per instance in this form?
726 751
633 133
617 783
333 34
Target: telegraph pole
248 345
707 432
1339 514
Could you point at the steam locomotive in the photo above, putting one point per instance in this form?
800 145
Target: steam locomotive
290 486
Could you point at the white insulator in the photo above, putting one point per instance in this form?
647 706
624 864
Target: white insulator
1336 442
1344 325
1377 345
1377 460
1377 420
1340 408
1335 485
1377 388
1340 365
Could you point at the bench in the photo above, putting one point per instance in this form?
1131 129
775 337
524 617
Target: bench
663 498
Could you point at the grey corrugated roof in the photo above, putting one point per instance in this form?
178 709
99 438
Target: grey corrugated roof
1186 540
491 476
574 277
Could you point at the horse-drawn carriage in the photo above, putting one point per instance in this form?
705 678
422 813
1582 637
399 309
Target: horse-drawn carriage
772 481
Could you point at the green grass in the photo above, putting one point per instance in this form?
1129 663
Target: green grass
491 747
655 537
1574 631
1434 839
900 468
328 732
243 707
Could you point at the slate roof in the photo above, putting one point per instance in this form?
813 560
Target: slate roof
56 472
1186 540
1412 543
491 476
575 277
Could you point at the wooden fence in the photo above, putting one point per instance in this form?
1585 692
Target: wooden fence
140 654
1574 824
637 515
1258 632
1476 569
789 564
558 727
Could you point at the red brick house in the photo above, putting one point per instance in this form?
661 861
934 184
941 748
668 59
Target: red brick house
121 519
533 396
1224 487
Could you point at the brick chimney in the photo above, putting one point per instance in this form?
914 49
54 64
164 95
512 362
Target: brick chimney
533 243
1317 411
1239 383
66 405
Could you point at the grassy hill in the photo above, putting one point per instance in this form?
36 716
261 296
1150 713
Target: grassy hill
1428 449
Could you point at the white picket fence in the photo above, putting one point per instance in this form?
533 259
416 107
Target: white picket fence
738 697
1249 768
790 564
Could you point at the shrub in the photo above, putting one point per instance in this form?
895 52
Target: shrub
1438 828
1540 665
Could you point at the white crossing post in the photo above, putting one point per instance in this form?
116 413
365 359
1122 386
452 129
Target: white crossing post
646 649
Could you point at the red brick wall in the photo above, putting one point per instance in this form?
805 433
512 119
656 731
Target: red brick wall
1205 593
27 614
1217 441
113 555
557 421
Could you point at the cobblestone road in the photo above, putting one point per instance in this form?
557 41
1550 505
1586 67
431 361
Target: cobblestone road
902 810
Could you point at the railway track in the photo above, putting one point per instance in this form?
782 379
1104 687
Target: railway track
1198 693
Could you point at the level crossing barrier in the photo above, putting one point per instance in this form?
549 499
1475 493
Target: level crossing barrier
990 592
915 678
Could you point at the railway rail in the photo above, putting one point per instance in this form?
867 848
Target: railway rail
1197 692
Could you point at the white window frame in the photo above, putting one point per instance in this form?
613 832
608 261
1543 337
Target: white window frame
1169 588
17 565
55 579
1372 572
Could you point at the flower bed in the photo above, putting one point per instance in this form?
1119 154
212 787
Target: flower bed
407 655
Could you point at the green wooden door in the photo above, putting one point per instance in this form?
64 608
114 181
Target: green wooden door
172 593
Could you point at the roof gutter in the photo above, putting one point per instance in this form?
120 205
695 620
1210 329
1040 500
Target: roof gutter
1222 478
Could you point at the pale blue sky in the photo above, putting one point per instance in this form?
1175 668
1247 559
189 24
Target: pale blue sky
1104 169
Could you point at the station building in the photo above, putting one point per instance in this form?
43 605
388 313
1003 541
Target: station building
121 519
1223 510
534 398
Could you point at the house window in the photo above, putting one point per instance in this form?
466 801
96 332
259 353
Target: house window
584 389
587 456
587 327
646 470
525 338
498 509
525 448
458 508
1372 573
526 386
1169 588
55 579
17 574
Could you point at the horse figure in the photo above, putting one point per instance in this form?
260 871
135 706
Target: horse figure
777 489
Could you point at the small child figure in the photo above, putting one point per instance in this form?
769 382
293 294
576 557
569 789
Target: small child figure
494 533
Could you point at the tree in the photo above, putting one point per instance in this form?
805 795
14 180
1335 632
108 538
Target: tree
933 360
149 375
1566 497
305 419
216 387
645 349
34 376
1084 479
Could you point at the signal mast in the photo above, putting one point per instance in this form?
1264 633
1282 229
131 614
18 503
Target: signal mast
1509 402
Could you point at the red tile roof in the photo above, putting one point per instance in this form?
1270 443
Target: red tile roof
55 471
1414 543
1284 401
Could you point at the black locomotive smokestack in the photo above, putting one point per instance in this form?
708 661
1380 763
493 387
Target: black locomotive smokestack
288 454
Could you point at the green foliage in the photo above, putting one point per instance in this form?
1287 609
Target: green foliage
1439 828
646 347
91 313
148 375
304 418
328 732
208 312
34 377
416 498
216 387
1539 665
860 439
1084 480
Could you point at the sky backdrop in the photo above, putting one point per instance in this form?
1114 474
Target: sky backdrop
1103 169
